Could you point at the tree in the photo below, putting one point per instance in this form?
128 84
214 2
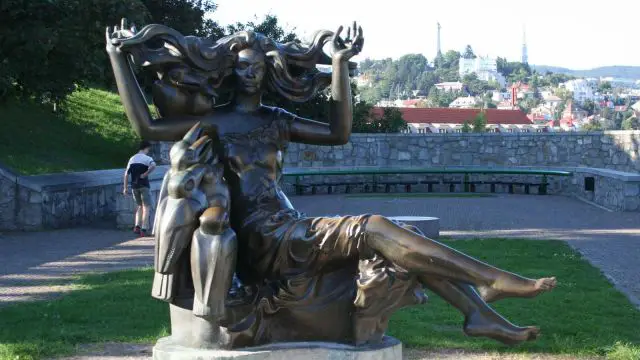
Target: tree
468 53
592 126
392 121
589 106
604 87
466 128
268 26
563 94
514 71
557 115
474 85
49 48
186 16
480 122
631 123
608 119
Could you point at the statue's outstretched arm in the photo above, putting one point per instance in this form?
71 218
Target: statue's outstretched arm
135 105
338 130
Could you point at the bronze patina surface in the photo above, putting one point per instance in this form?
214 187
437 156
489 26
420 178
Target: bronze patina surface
238 264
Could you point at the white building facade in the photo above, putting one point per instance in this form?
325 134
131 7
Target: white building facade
581 89
485 68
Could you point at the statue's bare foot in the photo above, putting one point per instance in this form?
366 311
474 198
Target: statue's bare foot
515 286
492 325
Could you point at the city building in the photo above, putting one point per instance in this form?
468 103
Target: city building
581 89
485 68
451 120
464 102
450 86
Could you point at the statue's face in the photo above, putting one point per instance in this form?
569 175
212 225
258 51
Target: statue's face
250 70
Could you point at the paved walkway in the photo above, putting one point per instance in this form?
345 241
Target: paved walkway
40 265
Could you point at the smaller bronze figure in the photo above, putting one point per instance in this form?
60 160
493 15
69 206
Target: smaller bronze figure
299 278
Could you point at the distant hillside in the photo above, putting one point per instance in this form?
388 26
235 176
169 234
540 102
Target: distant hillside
627 72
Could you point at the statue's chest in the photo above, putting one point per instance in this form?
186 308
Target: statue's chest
260 147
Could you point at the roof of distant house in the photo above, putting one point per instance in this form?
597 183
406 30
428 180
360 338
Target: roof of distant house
458 116
520 85
552 98
450 83
568 122
410 102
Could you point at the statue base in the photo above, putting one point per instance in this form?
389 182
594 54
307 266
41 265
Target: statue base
389 349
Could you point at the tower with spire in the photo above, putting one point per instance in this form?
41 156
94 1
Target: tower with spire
525 56
439 50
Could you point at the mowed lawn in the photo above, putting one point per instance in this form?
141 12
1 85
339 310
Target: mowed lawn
585 315
90 132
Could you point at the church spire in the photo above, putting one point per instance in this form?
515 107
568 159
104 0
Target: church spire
525 56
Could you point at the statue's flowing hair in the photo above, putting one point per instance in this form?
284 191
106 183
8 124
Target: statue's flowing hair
205 65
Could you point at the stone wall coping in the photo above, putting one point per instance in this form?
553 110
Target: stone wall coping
507 134
620 175
94 178
59 181
7 173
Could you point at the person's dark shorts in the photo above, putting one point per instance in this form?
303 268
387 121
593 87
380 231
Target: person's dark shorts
142 196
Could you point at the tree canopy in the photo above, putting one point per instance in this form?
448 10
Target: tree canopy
48 48
408 76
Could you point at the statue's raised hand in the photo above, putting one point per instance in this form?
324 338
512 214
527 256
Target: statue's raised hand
116 35
345 49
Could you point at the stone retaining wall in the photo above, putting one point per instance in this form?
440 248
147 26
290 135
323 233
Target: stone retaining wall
66 200
617 150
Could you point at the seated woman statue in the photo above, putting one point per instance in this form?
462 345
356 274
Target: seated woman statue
332 279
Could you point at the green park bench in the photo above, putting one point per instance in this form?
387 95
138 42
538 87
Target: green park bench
377 173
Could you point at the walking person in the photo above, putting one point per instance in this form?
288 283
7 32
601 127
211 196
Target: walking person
139 167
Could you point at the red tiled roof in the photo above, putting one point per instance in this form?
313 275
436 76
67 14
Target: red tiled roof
564 121
410 102
458 116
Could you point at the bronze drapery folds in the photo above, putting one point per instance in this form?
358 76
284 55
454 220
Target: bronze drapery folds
237 263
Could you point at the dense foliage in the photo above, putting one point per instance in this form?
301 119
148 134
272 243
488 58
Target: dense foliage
48 48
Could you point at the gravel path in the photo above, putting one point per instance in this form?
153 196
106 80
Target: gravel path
40 265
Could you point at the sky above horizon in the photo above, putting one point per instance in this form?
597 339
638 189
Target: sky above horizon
559 33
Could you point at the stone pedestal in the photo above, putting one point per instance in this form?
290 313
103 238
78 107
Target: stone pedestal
430 226
389 349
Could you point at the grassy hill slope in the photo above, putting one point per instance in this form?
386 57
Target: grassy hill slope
91 133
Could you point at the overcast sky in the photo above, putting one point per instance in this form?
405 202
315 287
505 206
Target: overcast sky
559 32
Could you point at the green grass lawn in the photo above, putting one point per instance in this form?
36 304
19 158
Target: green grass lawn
91 133
585 315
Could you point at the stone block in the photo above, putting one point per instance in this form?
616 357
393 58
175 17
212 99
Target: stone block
389 349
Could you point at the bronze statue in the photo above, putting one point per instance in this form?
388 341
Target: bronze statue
298 278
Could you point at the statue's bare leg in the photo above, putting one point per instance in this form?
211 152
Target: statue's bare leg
479 318
423 256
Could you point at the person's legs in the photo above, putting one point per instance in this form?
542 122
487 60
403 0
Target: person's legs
429 258
146 209
138 212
